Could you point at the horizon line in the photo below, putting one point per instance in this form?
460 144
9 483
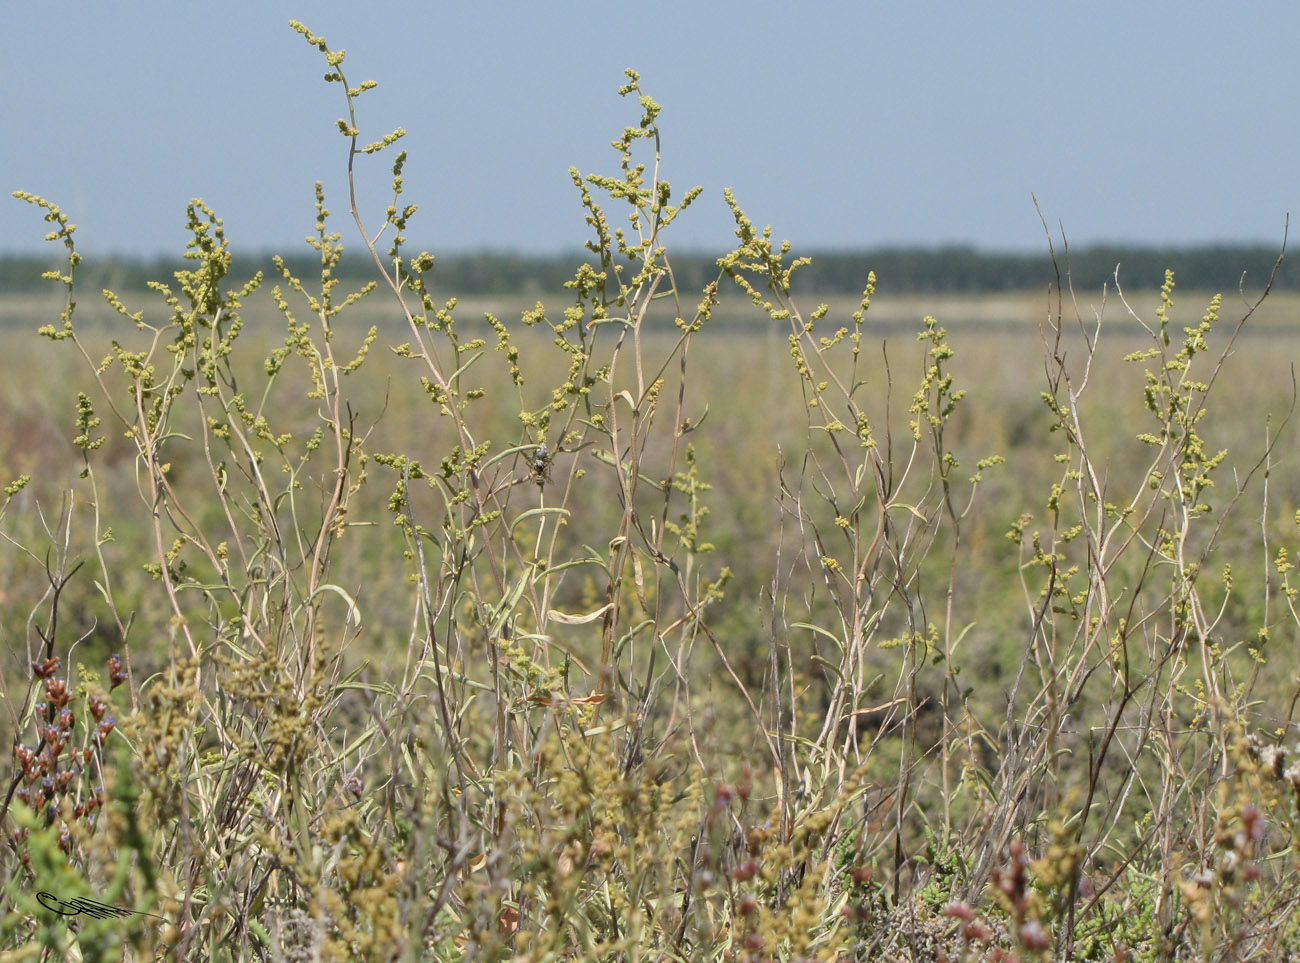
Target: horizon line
359 249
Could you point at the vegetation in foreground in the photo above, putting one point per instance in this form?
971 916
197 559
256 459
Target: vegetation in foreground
527 641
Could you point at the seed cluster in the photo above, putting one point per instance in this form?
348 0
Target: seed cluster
55 769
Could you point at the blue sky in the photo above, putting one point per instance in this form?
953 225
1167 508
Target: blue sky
842 124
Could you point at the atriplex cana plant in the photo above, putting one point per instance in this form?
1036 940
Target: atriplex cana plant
512 706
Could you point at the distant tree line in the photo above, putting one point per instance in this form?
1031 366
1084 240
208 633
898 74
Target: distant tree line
898 270
968 270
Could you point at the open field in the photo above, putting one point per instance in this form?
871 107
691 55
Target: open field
910 694
749 386
1279 312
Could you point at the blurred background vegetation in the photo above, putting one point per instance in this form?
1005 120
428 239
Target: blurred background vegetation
753 425
943 270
